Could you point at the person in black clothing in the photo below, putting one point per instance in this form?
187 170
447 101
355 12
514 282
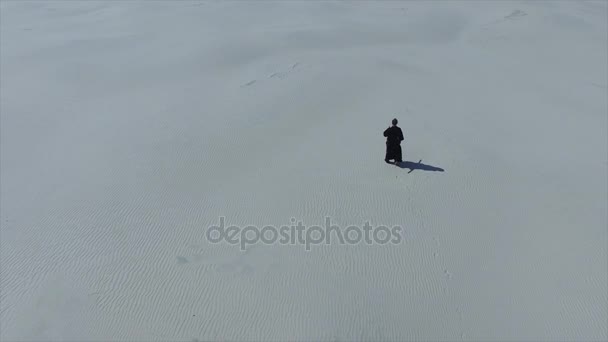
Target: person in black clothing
394 136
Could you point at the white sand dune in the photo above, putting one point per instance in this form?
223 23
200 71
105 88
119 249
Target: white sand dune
129 127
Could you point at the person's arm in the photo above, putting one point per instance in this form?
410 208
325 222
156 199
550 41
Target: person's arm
400 135
386 132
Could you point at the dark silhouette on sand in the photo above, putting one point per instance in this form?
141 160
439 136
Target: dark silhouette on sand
394 137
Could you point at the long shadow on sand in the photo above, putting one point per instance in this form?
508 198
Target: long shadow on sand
418 166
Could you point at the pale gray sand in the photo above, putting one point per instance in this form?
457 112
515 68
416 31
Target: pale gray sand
127 128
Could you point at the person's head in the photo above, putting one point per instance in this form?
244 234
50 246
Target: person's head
395 122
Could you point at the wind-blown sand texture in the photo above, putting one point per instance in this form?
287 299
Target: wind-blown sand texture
129 127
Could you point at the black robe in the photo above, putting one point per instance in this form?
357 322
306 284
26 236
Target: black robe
394 136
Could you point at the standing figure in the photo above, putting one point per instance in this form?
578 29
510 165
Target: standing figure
394 137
